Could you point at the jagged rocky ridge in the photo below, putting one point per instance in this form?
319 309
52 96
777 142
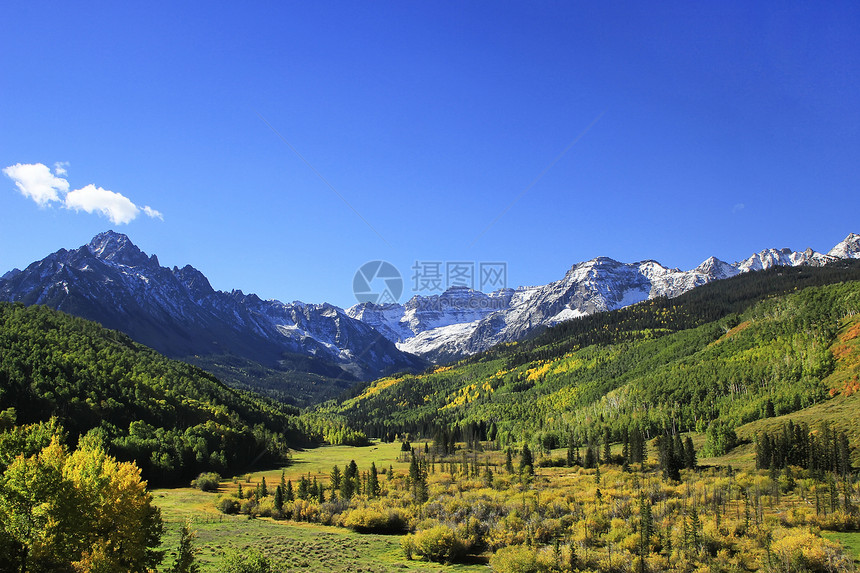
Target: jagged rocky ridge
177 312
462 321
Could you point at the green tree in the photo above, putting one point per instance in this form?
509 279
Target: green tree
527 461
185 555
373 489
279 499
335 478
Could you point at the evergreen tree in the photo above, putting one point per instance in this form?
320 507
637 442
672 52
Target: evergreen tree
526 461
262 489
185 555
589 462
646 529
373 489
417 480
689 454
279 499
335 477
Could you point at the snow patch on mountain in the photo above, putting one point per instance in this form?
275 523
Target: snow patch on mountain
598 285
847 249
177 312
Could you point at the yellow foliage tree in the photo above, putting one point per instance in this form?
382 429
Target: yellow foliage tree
83 509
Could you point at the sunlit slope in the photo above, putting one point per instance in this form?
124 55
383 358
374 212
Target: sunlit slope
173 419
722 352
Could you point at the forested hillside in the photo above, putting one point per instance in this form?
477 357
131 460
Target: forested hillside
733 351
173 419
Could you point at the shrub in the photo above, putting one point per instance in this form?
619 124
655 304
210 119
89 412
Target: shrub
518 559
375 520
227 504
246 562
207 482
805 551
438 544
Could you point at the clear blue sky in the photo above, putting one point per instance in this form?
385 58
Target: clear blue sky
722 129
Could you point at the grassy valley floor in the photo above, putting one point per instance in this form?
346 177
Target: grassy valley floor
291 545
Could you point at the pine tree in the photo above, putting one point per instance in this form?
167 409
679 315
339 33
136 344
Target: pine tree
526 461
589 458
417 481
279 499
689 454
646 529
695 527
289 495
335 477
373 489
262 489
185 562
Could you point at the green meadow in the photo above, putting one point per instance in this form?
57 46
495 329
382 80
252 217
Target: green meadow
292 546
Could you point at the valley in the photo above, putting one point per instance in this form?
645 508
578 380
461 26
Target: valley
715 429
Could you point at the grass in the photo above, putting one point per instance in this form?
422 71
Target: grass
318 462
849 540
291 545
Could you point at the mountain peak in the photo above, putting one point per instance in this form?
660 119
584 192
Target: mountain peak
117 248
849 248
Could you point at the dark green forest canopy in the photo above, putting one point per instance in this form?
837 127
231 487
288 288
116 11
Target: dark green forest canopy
173 419
722 351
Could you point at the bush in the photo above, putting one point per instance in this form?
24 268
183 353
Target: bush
207 482
247 562
518 559
439 544
227 504
375 520
805 551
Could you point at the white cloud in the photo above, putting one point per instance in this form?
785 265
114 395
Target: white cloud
115 206
738 207
37 182
150 212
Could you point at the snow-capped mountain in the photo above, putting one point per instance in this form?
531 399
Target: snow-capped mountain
461 327
177 312
847 249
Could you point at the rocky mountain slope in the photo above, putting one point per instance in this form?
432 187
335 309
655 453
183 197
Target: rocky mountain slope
461 321
178 313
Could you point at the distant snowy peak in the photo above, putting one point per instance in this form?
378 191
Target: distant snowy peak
716 269
452 329
457 305
781 258
847 249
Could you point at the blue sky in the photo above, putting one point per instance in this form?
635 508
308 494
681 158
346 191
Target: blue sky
701 129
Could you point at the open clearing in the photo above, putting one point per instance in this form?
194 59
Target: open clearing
292 545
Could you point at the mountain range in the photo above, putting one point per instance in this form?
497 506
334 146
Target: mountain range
178 313
462 321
